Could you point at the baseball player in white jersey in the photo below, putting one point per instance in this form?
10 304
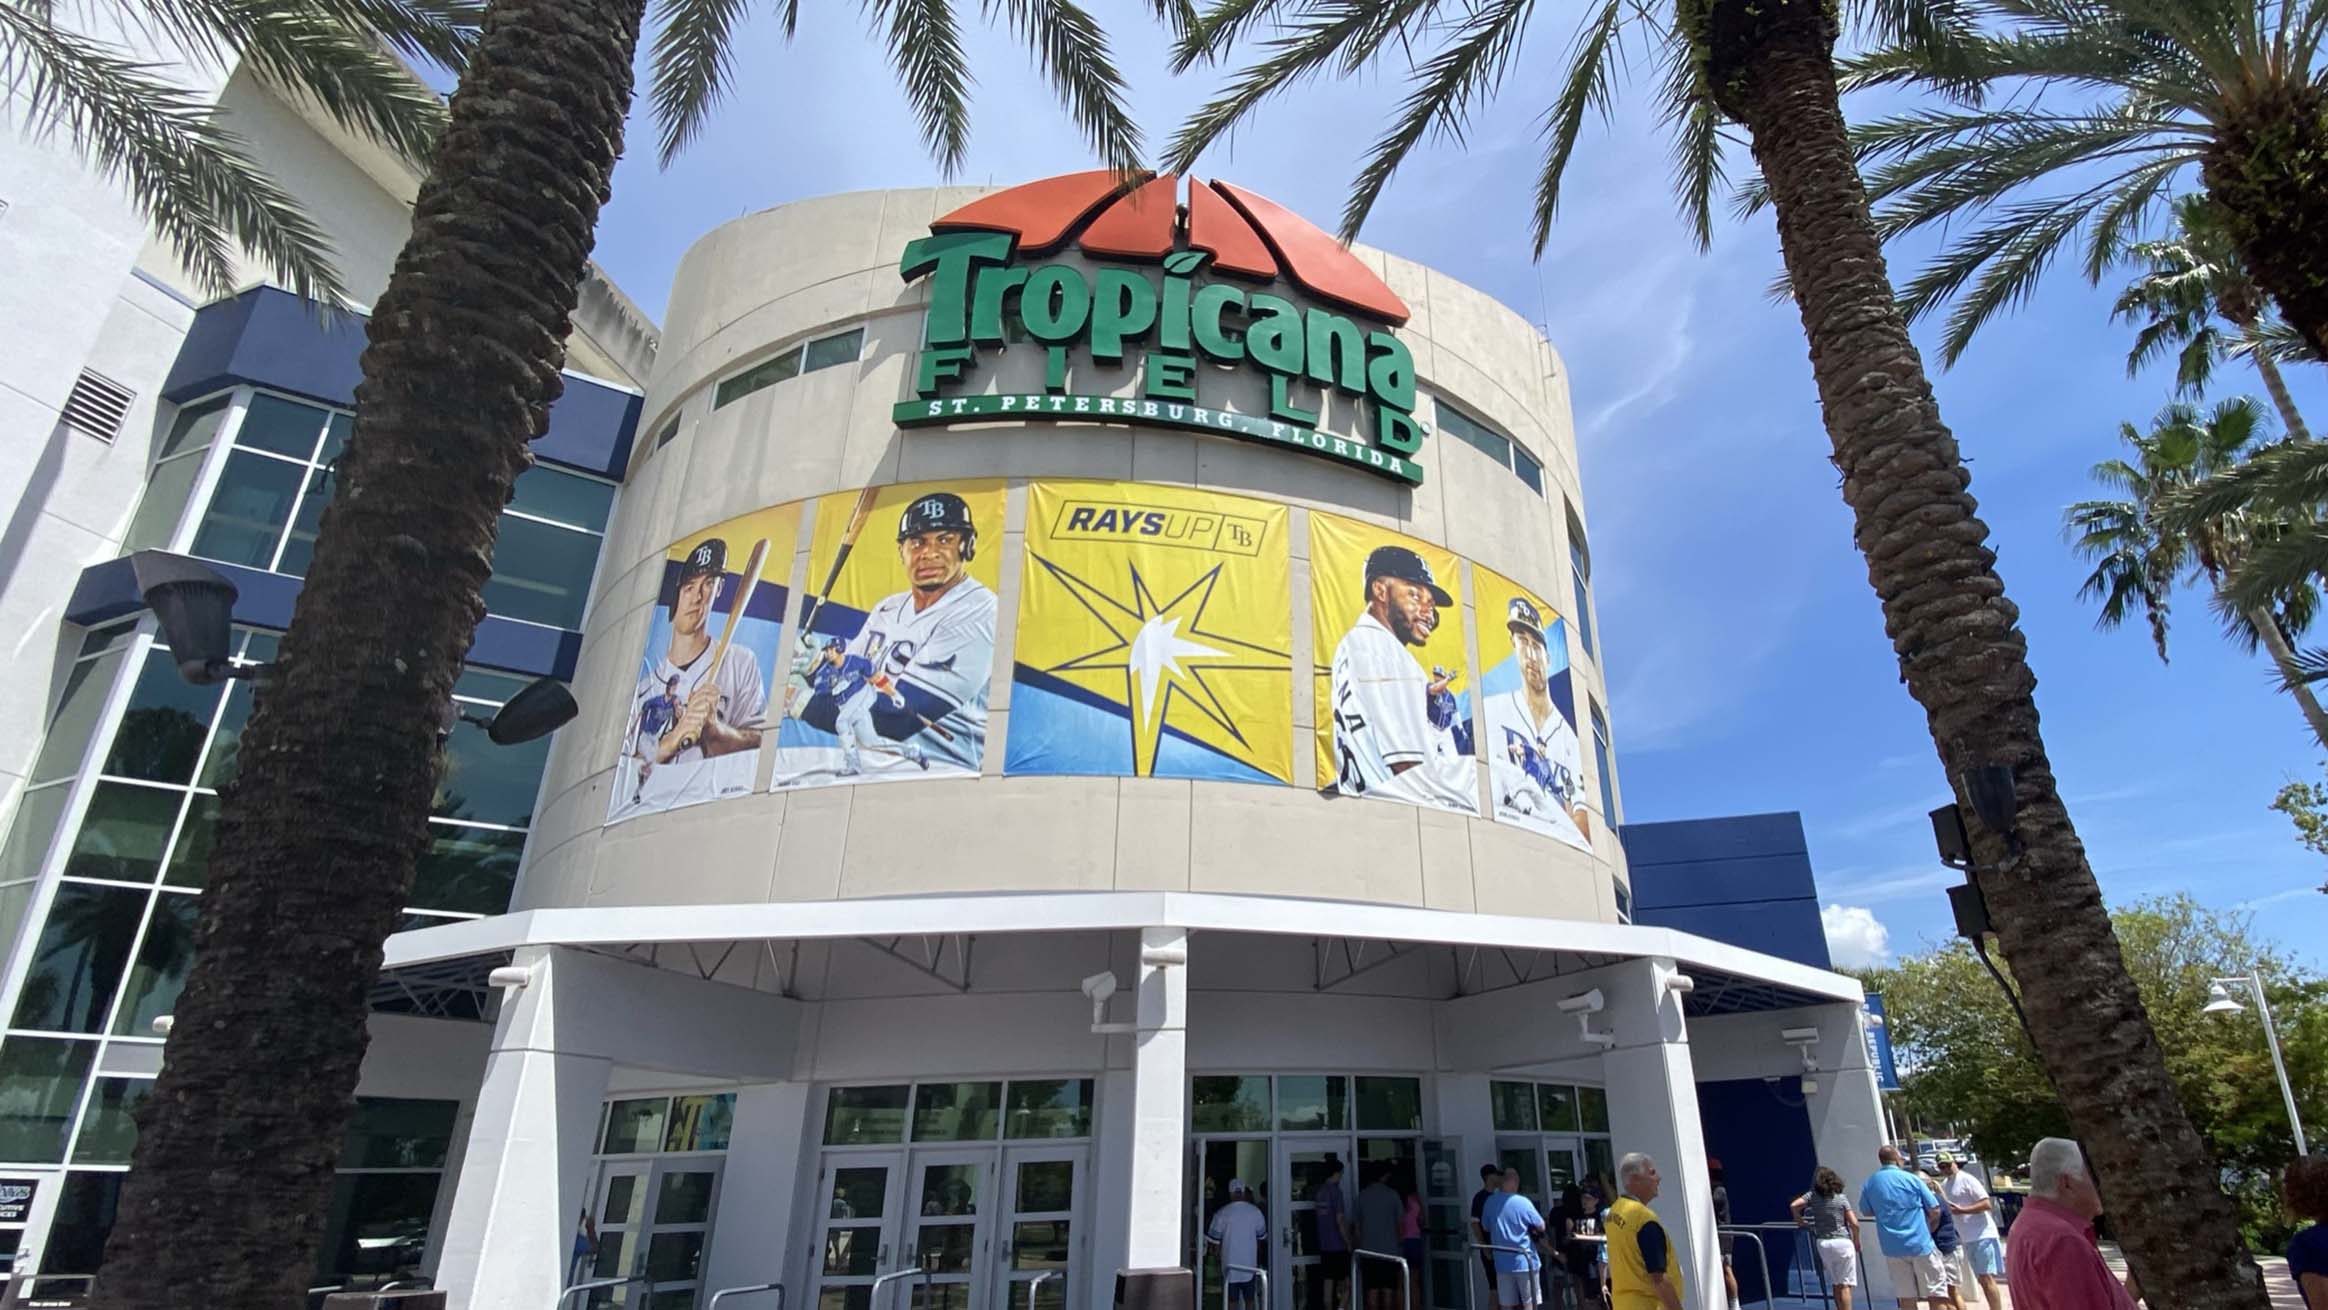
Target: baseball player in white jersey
913 681
1396 729
1533 760
684 714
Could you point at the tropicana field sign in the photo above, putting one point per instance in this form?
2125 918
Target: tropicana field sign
1151 298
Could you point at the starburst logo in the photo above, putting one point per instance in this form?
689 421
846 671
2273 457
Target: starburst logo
1167 677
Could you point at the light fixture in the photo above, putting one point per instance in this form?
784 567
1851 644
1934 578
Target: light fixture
510 975
2221 1001
163 1023
541 708
194 606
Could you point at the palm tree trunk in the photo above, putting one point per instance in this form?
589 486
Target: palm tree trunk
2283 657
2276 385
232 1175
1771 66
2264 170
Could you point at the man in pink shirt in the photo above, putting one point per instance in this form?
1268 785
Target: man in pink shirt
2051 1261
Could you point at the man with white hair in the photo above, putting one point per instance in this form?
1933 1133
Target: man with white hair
1644 1268
2052 1262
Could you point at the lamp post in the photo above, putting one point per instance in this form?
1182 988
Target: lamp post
2221 1001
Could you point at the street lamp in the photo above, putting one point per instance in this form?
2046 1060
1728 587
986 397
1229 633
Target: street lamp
2221 1001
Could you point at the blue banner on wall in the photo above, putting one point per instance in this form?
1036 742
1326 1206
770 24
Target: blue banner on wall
1879 1044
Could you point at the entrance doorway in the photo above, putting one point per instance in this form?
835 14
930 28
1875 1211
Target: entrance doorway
654 1220
995 1227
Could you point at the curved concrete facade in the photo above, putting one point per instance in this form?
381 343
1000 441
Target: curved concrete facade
772 280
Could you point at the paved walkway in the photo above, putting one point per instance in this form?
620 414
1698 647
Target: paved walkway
2284 1295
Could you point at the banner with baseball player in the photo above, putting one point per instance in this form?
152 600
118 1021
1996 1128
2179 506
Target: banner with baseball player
1155 635
890 670
1393 687
701 702
1535 768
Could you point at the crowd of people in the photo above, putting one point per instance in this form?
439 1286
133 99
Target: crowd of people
1937 1227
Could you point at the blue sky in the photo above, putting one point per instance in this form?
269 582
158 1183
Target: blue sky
1748 666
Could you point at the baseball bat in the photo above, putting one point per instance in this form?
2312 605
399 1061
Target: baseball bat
735 616
857 518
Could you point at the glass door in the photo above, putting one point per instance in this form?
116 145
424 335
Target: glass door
860 1213
1042 1231
1300 1178
1221 1161
685 1193
952 1195
621 1206
1447 1223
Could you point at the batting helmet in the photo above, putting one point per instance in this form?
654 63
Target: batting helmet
940 511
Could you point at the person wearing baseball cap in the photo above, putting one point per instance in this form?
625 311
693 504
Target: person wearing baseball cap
684 711
1534 759
1236 1231
1397 729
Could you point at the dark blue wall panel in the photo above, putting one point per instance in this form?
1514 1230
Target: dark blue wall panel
1745 880
270 338
1761 1133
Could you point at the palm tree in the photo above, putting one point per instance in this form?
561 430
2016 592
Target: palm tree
193 180
2284 485
2194 278
2141 554
2227 93
320 830
1768 66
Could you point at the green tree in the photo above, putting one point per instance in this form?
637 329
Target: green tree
2144 93
2141 555
321 828
2306 805
1768 66
2194 278
191 178
1965 1060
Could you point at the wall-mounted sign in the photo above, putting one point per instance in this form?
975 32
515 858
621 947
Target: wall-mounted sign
16 1199
1180 293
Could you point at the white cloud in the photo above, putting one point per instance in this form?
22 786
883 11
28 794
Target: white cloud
1855 937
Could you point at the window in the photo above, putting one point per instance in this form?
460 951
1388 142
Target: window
824 352
1580 571
959 1112
279 476
1495 445
1600 759
390 1170
176 468
669 434
1563 1118
1229 1105
1624 900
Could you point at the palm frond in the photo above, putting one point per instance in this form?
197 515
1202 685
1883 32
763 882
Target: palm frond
1070 48
1445 90
1215 30
193 181
2311 667
1294 56
925 49
692 62
1586 88
1696 125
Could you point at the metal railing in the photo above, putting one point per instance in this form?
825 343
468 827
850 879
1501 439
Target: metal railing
1406 1285
1037 1281
1259 1275
1804 1256
597 1284
1470 1296
1761 1253
873 1296
753 1289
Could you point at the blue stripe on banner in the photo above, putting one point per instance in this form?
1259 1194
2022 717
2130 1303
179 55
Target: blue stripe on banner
1058 728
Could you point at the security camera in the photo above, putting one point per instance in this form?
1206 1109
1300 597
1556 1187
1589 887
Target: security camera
1099 987
1800 1034
1587 1003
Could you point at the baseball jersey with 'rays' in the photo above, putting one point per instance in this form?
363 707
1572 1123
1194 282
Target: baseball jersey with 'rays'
941 659
1534 766
743 697
1382 719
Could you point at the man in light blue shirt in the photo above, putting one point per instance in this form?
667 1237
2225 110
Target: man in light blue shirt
1906 1212
1512 1220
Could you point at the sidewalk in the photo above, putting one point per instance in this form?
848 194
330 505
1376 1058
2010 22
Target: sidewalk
2276 1281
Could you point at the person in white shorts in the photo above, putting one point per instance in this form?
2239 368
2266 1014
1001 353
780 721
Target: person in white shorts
1976 1220
1834 1230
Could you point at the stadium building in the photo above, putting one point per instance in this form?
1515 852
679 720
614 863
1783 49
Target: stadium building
1085 696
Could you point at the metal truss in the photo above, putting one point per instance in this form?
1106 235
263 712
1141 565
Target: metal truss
928 955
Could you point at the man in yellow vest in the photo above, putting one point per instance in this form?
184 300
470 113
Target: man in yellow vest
1644 1267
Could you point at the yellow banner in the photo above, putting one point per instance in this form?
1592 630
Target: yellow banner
895 652
701 701
1154 635
1535 770
1394 696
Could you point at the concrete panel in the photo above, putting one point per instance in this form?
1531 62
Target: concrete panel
1153 821
816 838
1446 849
678 862
1244 1031
1248 839
910 836
1520 872
909 1037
